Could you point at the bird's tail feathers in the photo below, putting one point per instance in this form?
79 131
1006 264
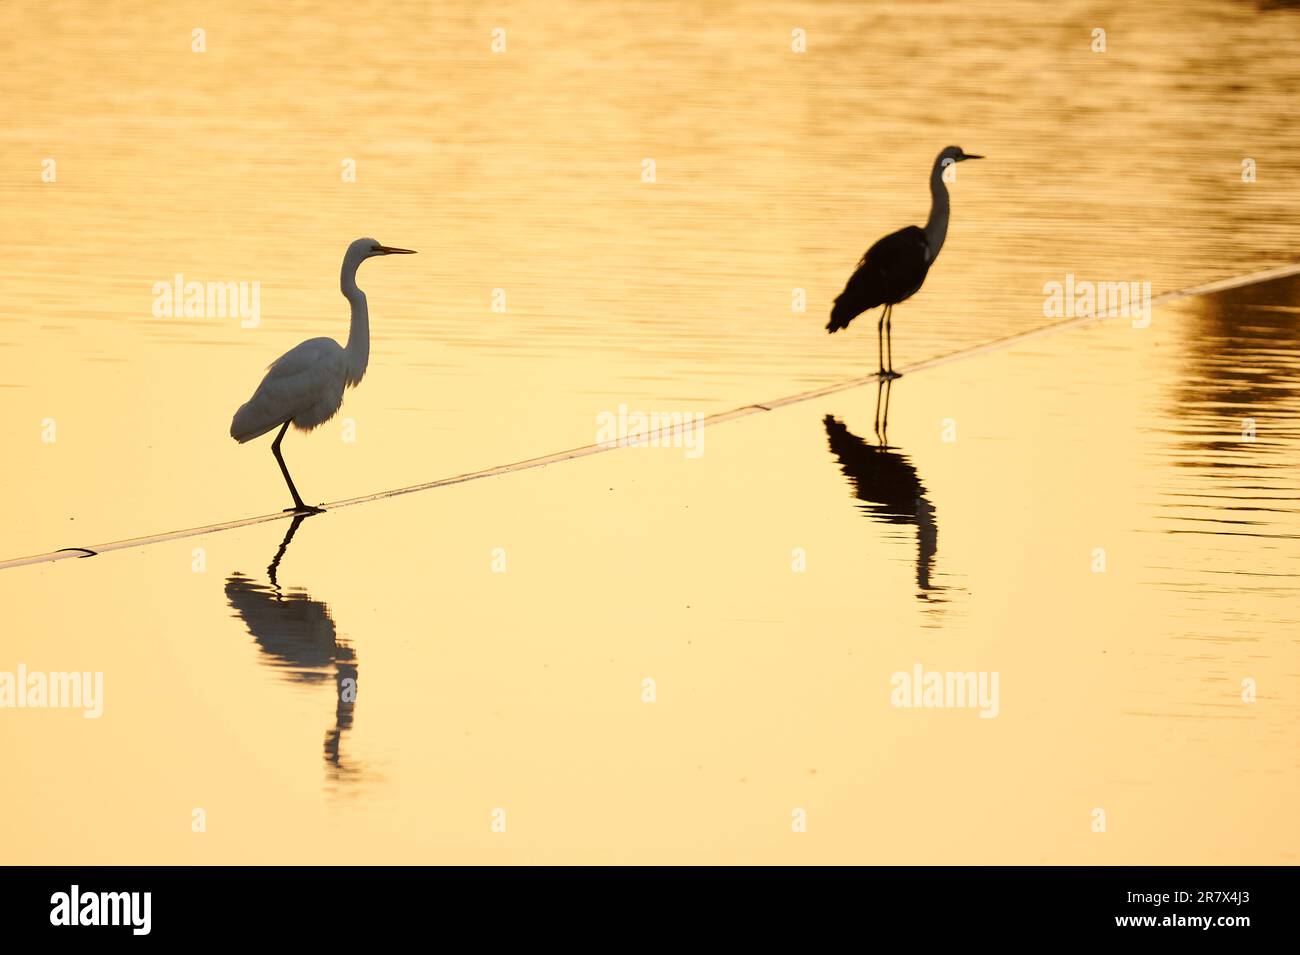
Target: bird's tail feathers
251 421
841 314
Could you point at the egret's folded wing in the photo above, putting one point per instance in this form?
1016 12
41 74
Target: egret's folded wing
306 381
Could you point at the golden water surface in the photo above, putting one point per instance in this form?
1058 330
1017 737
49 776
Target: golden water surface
499 634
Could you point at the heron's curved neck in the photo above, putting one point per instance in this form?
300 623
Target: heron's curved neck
936 227
358 347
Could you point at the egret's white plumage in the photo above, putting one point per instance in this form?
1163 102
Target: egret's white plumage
304 386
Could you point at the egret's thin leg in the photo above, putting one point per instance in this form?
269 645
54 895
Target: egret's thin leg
284 546
298 505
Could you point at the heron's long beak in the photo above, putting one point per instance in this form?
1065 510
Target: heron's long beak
389 250
969 156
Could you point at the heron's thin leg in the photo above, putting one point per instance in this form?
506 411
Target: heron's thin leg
880 344
880 385
884 418
298 505
889 336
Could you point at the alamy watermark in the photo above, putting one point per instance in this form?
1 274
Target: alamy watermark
53 690
939 689
76 907
181 299
656 429
1080 298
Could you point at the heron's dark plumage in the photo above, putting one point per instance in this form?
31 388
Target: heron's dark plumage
891 271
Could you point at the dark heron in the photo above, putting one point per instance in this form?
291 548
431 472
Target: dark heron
894 269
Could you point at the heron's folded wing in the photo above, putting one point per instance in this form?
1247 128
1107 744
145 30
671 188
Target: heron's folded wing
898 262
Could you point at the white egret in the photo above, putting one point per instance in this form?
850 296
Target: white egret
304 386
894 269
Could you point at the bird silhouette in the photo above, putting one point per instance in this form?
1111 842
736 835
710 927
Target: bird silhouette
304 386
299 640
894 269
889 487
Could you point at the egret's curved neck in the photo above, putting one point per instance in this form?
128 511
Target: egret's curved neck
936 227
358 347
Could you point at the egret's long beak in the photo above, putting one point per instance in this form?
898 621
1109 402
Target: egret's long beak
389 250
969 156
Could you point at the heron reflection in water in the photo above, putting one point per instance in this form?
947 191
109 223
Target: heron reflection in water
298 638
888 486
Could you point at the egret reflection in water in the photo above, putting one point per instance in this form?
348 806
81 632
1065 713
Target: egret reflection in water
298 638
888 486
